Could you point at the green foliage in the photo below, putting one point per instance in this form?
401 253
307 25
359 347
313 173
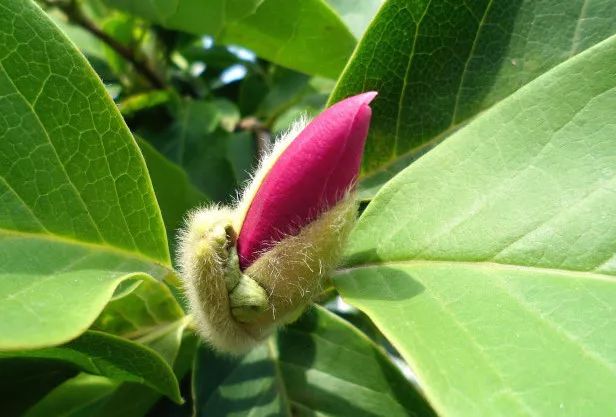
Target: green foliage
319 365
506 257
436 67
146 310
199 144
78 211
95 396
174 191
484 258
356 15
78 396
106 355
287 33
25 381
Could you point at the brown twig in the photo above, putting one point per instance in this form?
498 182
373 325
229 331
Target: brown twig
262 135
76 16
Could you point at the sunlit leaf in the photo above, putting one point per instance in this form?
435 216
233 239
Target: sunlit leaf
356 14
436 65
490 263
77 209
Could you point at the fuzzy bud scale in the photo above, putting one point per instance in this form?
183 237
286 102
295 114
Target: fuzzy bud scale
249 269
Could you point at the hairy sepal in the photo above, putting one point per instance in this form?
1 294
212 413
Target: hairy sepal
211 275
233 315
292 272
235 310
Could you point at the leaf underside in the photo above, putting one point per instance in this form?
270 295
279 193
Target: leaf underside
490 263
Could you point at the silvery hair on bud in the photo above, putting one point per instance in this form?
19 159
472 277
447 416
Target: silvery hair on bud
291 272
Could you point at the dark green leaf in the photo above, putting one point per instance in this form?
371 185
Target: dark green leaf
287 87
197 143
77 397
307 36
26 380
133 400
242 154
225 386
320 365
174 191
93 396
113 357
436 65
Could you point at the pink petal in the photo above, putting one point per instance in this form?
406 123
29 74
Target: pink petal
310 176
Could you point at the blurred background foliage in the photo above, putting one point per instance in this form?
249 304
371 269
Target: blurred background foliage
204 106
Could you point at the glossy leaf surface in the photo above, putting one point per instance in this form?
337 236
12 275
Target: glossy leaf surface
437 65
320 365
114 357
77 210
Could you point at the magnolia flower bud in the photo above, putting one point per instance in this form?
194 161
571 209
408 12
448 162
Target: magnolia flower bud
251 268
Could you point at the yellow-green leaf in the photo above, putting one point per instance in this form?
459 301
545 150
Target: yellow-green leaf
77 210
490 263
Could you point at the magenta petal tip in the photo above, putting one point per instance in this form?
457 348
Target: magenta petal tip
311 175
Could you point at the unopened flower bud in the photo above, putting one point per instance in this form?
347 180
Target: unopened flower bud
251 268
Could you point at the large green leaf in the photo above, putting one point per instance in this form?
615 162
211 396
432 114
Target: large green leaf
114 357
307 36
47 306
320 365
77 210
490 263
437 65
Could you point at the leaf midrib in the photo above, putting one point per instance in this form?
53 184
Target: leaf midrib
480 264
69 179
166 262
98 247
485 265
